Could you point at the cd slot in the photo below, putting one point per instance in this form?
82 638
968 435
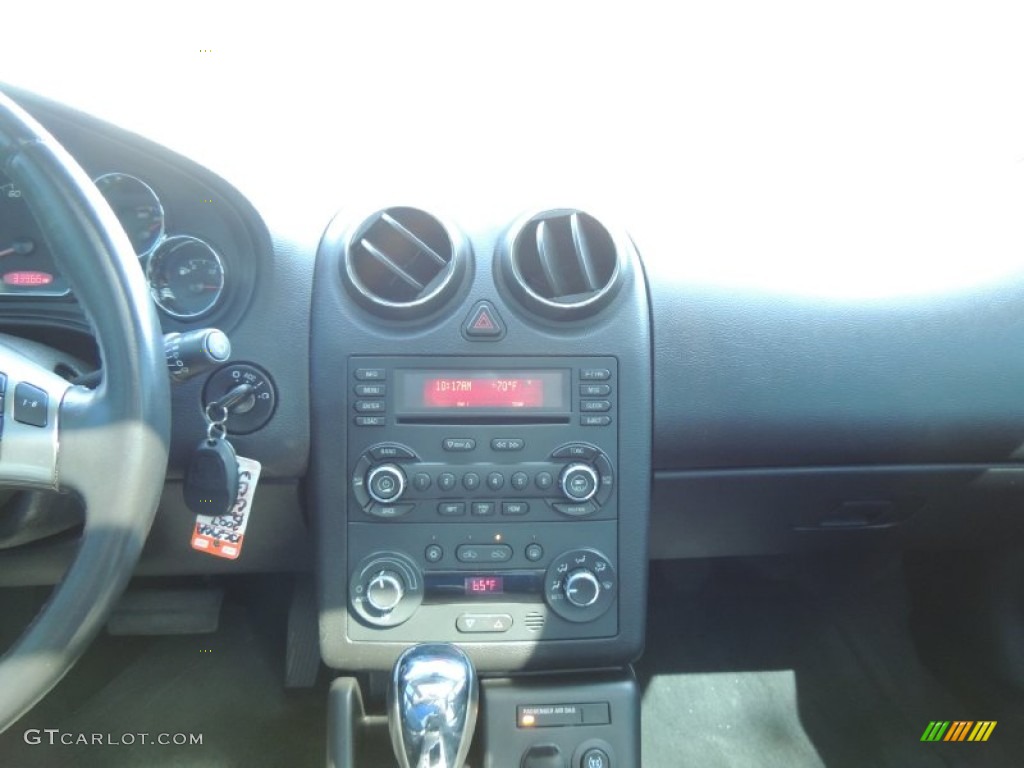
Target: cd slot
482 420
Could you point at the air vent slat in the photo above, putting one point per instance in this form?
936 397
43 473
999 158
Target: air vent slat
579 239
384 259
413 240
562 264
403 263
547 254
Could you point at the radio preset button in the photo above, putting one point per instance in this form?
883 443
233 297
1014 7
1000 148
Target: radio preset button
544 480
421 481
371 390
595 421
520 480
391 451
483 508
595 390
452 508
595 406
495 481
595 374
458 444
385 483
507 444
514 507
484 553
371 374
534 552
471 481
433 554
446 481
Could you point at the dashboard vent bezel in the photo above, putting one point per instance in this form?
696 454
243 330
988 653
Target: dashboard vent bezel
403 263
561 264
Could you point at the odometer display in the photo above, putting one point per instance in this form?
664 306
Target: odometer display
493 391
26 264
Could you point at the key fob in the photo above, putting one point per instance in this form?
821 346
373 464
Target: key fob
211 481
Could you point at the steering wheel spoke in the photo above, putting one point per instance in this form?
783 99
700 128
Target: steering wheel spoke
30 421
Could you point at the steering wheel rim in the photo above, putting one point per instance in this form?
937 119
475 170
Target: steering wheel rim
108 445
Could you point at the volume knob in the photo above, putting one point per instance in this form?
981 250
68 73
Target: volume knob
385 591
582 588
385 483
579 482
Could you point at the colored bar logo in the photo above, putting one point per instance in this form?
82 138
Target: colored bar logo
958 730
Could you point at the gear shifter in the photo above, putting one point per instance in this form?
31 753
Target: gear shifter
432 706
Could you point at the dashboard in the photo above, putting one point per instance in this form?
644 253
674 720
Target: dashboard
731 421
760 421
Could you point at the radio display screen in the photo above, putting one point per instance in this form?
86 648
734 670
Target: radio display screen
420 391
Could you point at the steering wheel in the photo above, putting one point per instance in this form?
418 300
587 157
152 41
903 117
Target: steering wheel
108 445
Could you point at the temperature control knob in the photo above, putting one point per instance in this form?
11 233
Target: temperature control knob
385 591
579 482
385 483
582 588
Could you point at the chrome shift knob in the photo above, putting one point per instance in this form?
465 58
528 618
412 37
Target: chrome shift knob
432 706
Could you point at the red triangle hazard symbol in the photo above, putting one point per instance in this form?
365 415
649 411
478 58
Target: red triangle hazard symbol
483 321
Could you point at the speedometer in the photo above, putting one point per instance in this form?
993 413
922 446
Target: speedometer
26 265
137 207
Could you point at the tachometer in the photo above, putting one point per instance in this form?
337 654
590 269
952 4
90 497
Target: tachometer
186 276
26 266
137 207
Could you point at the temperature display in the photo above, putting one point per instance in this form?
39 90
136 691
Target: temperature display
485 585
483 391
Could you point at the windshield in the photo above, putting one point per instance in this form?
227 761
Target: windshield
872 149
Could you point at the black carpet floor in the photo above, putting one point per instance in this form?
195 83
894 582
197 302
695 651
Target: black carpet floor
807 662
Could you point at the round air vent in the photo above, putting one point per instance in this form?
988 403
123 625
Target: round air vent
561 264
403 263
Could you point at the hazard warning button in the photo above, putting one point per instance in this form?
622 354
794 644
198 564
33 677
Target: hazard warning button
483 323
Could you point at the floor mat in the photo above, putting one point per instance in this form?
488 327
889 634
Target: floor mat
796 663
128 694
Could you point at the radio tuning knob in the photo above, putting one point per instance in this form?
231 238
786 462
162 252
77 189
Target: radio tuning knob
582 588
385 591
385 483
579 482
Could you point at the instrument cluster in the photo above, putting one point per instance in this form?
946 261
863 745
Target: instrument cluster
186 274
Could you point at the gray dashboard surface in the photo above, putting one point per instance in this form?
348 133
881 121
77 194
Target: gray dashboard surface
746 379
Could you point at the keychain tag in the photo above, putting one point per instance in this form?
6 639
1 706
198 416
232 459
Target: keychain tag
223 535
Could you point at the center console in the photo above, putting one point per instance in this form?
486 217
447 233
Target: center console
482 499
481 468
